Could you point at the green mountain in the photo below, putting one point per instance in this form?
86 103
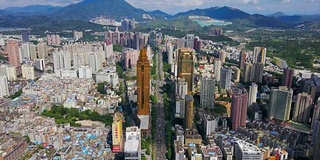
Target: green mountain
33 9
85 10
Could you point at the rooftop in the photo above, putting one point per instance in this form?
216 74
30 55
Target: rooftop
248 147
144 121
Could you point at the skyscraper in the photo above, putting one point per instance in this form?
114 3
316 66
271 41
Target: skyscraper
316 113
207 92
217 69
42 50
12 50
181 88
197 44
61 60
117 136
186 66
259 55
25 36
189 109
28 72
95 61
239 107
25 51
302 108
287 77
190 41
257 72
170 53
181 43
243 57
253 90
4 90
226 76
247 72
143 83
280 103
316 140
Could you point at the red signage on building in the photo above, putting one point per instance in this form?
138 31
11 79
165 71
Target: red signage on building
116 149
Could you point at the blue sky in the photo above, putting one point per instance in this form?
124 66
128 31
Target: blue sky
174 6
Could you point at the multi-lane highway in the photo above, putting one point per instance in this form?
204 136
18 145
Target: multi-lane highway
160 145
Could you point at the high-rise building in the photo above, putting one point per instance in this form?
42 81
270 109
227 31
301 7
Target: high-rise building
287 77
189 109
85 72
61 60
222 56
143 83
181 43
280 103
316 112
95 61
210 123
25 36
25 51
42 50
77 35
236 74
247 72
190 41
181 87
11 73
253 90
4 90
257 73
226 76
170 53
316 140
132 146
239 107
40 64
33 51
259 55
302 108
217 69
130 57
28 72
207 91
186 66
243 57
197 44
117 137
12 50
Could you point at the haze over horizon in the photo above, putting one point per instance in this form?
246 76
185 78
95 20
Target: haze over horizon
289 7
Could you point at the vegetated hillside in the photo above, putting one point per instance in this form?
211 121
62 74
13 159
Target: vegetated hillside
88 9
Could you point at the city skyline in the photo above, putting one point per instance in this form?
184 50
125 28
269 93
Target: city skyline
290 7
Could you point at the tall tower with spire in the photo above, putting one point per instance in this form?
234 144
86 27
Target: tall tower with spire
143 83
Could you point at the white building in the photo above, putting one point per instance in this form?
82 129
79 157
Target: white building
42 50
132 146
181 87
170 53
180 107
25 51
40 64
217 68
63 73
95 62
210 124
248 151
85 72
253 90
108 50
11 73
4 90
207 91
61 60
109 75
28 72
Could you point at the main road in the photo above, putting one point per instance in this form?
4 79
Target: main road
160 128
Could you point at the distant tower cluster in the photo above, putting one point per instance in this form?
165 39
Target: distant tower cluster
217 31
128 24
53 40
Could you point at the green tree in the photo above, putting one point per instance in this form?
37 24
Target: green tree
101 88
117 48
